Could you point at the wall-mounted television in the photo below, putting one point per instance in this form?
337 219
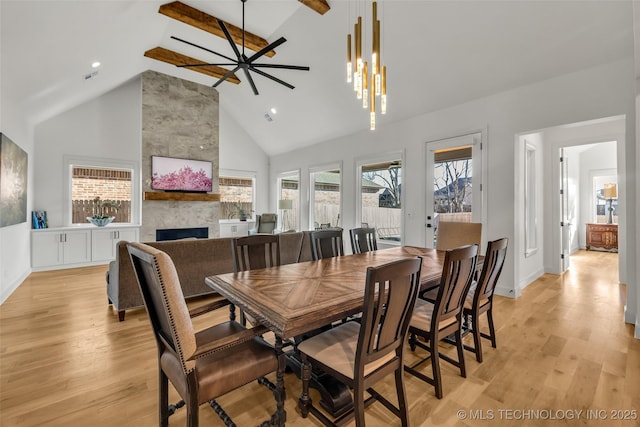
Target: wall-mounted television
173 174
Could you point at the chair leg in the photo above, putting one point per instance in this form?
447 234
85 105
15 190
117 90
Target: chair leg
492 330
460 348
192 410
358 405
435 366
163 398
402 397
477 344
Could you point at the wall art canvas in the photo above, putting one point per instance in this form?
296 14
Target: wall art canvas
13 182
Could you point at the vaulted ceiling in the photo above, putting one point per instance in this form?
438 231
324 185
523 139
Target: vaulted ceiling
438 54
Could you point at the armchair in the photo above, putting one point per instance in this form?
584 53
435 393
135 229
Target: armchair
265 223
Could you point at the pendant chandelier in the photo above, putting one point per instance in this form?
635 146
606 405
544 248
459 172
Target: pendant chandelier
369 81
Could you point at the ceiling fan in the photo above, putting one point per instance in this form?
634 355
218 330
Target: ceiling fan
242 61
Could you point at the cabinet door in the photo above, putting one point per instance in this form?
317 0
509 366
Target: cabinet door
103 242
46 249
77 246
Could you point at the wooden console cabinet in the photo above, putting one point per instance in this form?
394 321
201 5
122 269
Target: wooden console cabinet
603 236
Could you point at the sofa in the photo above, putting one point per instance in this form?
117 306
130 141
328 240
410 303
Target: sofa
194 260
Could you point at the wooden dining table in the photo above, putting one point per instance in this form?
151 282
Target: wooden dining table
294 299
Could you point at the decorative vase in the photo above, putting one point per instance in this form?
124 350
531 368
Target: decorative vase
242 217
100 222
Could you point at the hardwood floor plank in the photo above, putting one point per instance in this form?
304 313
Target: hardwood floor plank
65 360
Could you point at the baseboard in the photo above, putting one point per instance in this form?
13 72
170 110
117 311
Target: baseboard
515 293
6 292
526 281
506 292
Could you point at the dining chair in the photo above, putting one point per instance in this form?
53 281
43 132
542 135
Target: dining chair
433 322
480 297
201 365
361 354
454 234
254 252
326 243
363 240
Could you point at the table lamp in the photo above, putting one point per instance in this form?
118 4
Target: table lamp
610 192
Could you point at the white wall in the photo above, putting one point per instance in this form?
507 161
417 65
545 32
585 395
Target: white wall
603 91
532 266
108 127
15 249
239 152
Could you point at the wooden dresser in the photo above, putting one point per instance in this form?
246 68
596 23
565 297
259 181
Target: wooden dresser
603 236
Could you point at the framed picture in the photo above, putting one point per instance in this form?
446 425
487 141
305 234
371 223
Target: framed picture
13 183
39 219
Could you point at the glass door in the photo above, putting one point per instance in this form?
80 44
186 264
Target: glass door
454 180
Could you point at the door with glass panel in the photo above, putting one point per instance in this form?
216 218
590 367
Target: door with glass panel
380 204
289 201
454 182
325 198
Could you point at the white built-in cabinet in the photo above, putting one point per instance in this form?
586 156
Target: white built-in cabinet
68 247
235 228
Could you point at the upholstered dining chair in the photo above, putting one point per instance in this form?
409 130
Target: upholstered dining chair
361 354
254 252
326 243
201 365
433 322
454 234
363 240
480 297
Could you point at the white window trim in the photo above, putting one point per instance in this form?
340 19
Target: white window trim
323 168
134 167
390 156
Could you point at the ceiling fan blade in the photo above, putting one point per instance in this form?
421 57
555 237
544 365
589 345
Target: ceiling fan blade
269 76
253 85
287 67
203 48
229 39
264 50
208 65
226 76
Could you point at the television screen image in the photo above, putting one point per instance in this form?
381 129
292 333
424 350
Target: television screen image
172 174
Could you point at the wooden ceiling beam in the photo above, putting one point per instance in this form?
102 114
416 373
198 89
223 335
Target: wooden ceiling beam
320 6
196 18
175 58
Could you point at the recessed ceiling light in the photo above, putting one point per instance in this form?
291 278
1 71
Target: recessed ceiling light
273 110
96 64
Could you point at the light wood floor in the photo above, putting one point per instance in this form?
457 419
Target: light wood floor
65 360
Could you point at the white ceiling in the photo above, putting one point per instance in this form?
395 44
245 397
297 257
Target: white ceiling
438 54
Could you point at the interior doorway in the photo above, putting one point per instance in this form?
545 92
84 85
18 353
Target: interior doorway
567 199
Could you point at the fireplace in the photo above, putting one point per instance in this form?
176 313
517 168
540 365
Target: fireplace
182 233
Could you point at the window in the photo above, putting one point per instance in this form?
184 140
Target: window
325 200
111 180
237 191
380 204
289 201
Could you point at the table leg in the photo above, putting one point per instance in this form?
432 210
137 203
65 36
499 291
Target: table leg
305 400
280 391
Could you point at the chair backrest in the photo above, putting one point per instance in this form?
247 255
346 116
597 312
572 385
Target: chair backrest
491 269
389 297
363 240
326 243
457 274
455 234
164 302
255 251
268 223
